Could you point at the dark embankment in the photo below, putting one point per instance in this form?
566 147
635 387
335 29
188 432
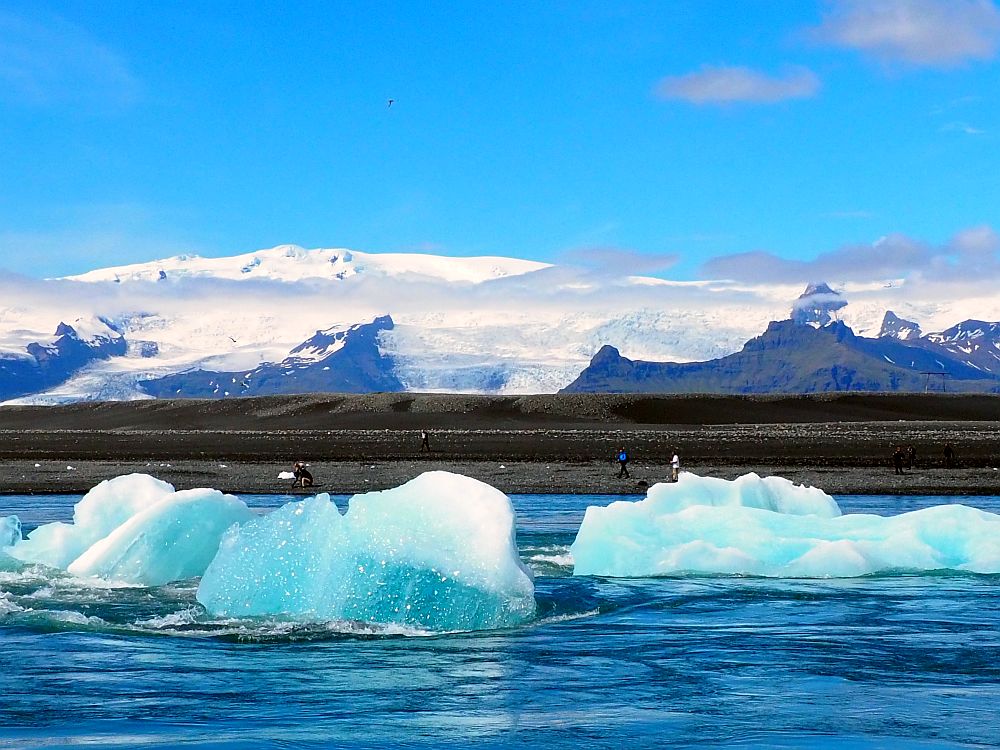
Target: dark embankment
548 443
409 411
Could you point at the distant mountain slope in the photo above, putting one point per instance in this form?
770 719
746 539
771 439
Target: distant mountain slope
895 327
293 263
787 358
44 365
346 361
468 325
973 342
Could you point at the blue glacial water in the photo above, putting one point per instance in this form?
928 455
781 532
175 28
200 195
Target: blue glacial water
876 662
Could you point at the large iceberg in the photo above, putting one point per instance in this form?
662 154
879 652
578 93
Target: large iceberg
438 552
771 527
136 529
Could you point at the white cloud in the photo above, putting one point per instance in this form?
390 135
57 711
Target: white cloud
961 127
972 254
47 60
934 33
725 84
618 261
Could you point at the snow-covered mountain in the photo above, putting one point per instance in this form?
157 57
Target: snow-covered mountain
341 361
291 263
975 343
494 325
52 360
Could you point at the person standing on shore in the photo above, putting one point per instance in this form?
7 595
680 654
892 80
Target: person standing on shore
911 456
623 464
675 466
425 441
303 477
897 459
949 456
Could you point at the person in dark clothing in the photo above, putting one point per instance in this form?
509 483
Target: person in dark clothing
897 459
623 464
303 478
911 456
425 441
949 456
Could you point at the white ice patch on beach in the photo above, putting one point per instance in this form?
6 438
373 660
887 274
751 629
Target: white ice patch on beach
770 527
438 552
136 529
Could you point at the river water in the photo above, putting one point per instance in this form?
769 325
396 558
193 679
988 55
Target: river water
874 662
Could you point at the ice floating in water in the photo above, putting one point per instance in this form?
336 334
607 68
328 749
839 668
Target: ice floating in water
438 552
10 531
136 529
770 527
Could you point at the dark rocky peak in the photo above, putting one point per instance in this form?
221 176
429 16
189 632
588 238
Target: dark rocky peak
65 329
901 329
817 305
782 334
347 361
967 330
323 343
605 354
815 288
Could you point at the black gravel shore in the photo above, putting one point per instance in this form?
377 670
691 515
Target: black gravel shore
512 477
841 444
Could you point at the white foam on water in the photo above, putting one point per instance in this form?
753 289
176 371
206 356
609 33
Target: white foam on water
7 606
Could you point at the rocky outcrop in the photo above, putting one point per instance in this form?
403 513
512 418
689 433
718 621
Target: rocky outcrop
45 365
331 361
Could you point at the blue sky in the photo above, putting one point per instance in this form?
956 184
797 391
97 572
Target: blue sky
689 138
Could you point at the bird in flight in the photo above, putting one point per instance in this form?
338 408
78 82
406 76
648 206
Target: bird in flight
232 339
391 102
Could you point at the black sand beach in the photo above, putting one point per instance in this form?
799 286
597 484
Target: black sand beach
553 443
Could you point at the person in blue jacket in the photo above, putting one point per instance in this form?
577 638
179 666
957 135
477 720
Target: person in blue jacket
623 463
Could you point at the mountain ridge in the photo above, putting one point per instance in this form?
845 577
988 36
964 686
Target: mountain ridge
789 357
469 325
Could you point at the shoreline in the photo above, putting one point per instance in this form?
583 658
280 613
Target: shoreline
841 443
511 477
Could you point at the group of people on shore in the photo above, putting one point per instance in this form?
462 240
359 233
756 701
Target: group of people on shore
906 458
303 477
623 458
903 458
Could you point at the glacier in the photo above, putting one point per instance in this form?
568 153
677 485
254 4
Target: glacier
438 552
772 527
135 529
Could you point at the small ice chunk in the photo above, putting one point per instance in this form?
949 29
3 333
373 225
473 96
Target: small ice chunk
438 552
10 531
137 529
286 475
175 539
38 466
